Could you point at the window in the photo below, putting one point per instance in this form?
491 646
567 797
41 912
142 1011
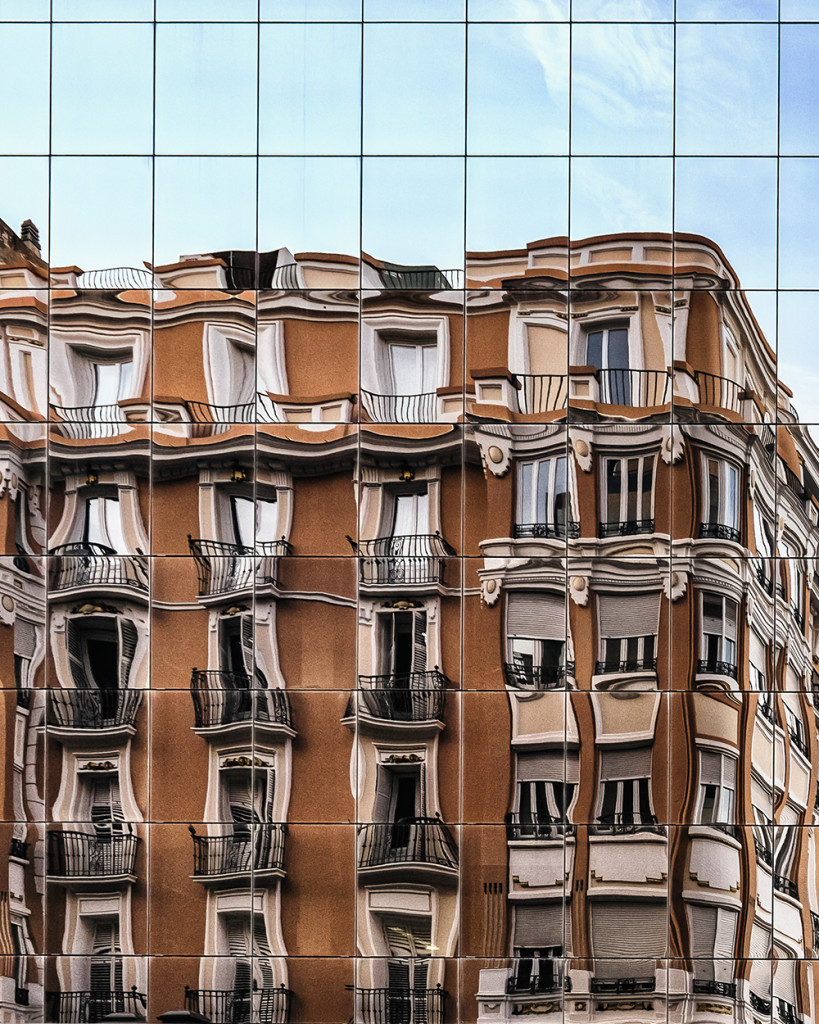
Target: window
112 382
409 514
409 942
249 962
25 642
765 565
102 524
543 499
625 792
633 934
247 796
796 583
607 350
795 723
412 361
718 651
536 641
628 500
717 795
541 933
236 652
100 655
254 522
628 626
713 934
720 500
546 784
403 644
105 967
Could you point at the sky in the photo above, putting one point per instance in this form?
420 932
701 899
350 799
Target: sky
416 141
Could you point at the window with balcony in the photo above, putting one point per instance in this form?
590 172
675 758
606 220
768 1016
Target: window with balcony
103 530
721 500
101 653
254 521
713 934
607 350
716 804
628 625
541 933
536 641
795 723
624 803
718 644
785 839
543 499
628 496
546 785
243 938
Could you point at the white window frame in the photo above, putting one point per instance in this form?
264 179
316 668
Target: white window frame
724 792
376 369
529 515
724 638
624 492
726 516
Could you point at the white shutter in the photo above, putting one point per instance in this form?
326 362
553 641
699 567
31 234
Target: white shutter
629 763
407 937
703 922
731 613
539 925
758 654
712 623
784 978
262 952
419 641
760 943
628 929
246 639
237 936
25 638
622 615
536 616
710 768
789 815
726 934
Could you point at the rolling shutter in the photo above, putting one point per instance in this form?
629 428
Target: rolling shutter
784 978
628 615
548 766
25 638
538 925
758 653
628 929
629 763
536 616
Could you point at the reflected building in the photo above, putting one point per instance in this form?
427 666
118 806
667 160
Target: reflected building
389 645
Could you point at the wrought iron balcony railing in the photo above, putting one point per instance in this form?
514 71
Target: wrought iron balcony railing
91 1007
766 708
559 531
622 986
710 987
798 617
223 567
602 668
407 697
116 279
402 1005
636 388
799 741
719 531
260 410
93 709
539 975
73 854
539 393
785 885
536 826
537 677
718 391
620 825
409 841
420 408
257 846
762 853
224 698
715 667
625 527
786 1012
421 278
403 559
95 565
759 1004
764 577
233 1006
90 421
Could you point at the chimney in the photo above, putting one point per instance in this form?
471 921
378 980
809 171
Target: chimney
30 236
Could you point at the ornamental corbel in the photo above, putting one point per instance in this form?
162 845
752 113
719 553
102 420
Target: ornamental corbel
673 444
490 591
582 454
579 590
7 610
675 585
496 454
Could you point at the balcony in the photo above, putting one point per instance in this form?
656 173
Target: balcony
224 568
558 531
262 410
536 976
231 1006
786 1012
761 1005
622 986
798 617
409 697
533 827
800 741
422 844
785 885
539 393
97 566
225 699
420 408
719 531
90 1007
763 854
92 856
709 987
625 527
403 560
90 421
618 825
763 577
426 279
537 677
766 709
94 709
402 1005
257 847
605 668
719 392
713 667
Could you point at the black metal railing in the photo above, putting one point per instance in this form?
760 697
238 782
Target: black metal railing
719 392
90 421
710 987
719 531
90 1007
223 567
93 709
814 920
716 667
542 392
764 578
622 986
402 1005
763 854
259 410
403 559
607 667
116 279
536 826
620 825
798 616
786 1012
91 854
406 697
766 708
223 698
235 1006
421 278
537 677
95 565
625 527
799 741
409 841
538 976
18 848
420 408
761 1005
538 530
637 388
785 885
255 846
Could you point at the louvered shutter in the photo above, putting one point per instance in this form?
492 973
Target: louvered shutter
623 615
538 926
419 641
262 952
246 639
629 763
25 638
540 765
398 975
73 643
106 970
128 636
408 937
239 947
536 616
628 929
383 792
270 791
422 791
240 798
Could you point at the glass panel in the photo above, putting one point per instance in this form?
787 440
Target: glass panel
24 119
